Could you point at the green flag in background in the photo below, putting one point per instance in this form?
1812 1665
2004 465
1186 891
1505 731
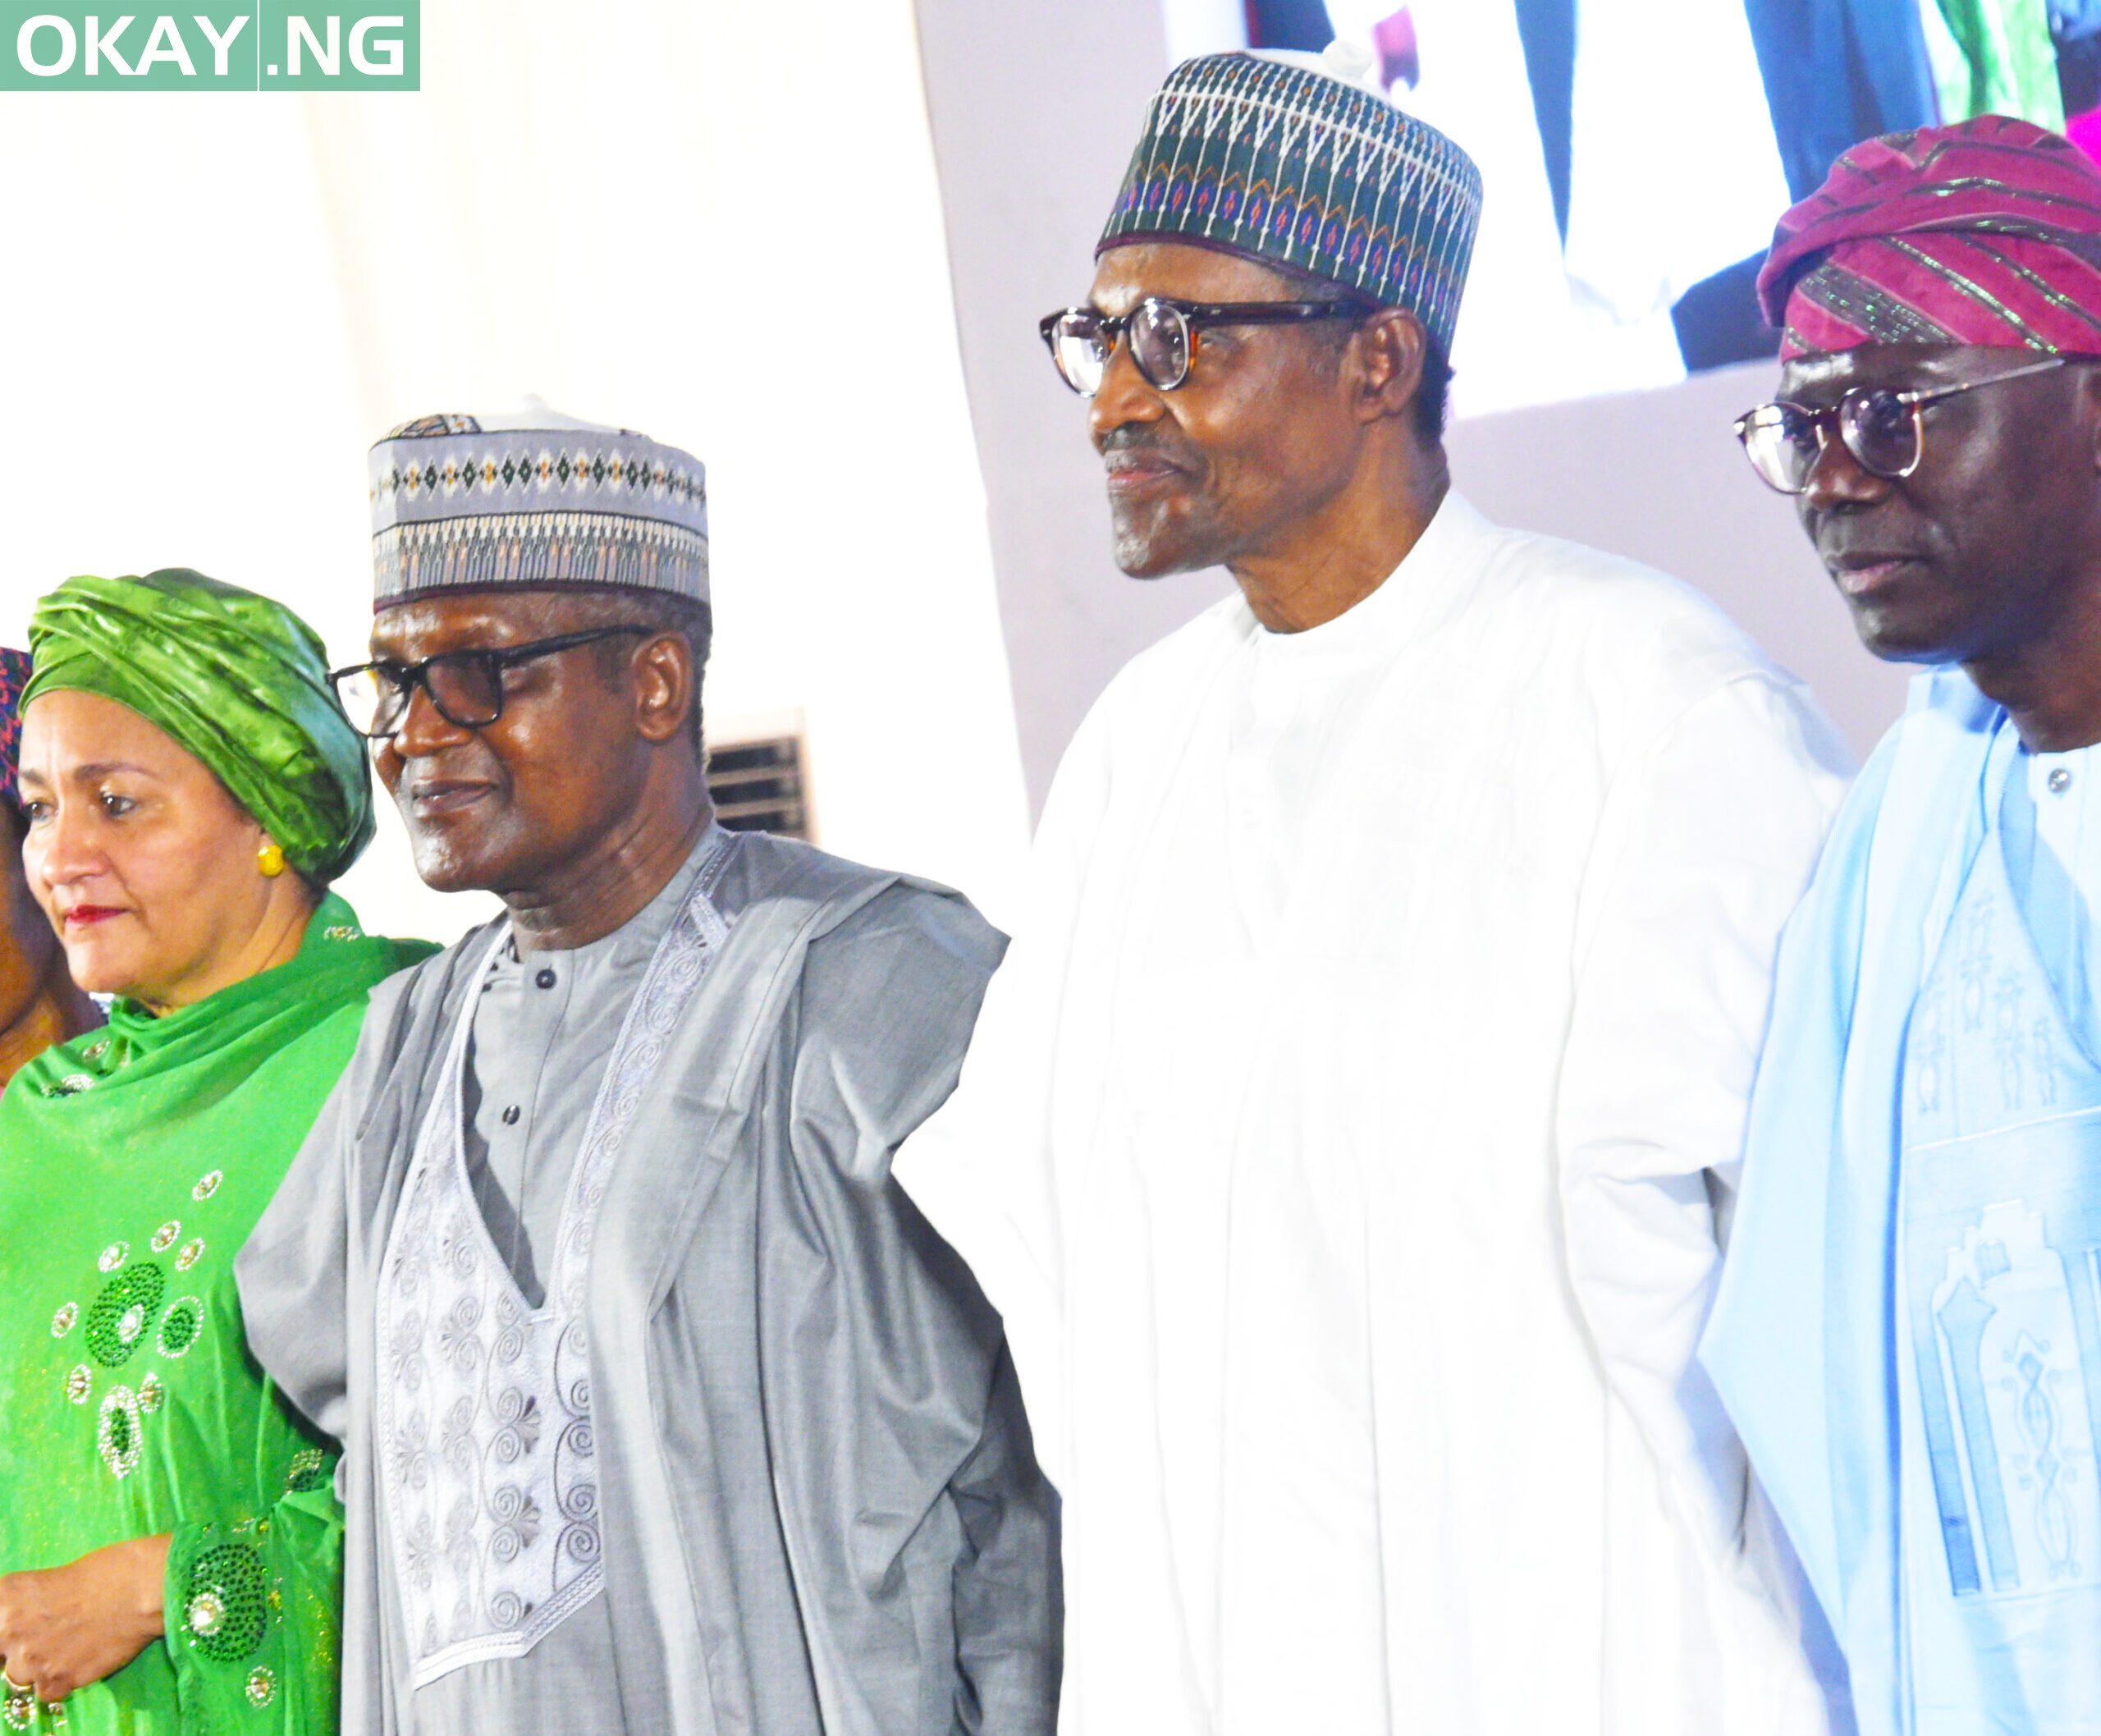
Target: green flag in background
1996 57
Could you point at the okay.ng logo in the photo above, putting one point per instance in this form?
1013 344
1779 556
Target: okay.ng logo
272 46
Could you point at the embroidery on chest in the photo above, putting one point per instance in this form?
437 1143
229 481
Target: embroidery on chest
141 1306
488 1459
2000 1240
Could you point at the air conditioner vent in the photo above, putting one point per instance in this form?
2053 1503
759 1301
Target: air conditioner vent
759 785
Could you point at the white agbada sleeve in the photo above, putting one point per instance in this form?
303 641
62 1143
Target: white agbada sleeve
1703 849
982 1167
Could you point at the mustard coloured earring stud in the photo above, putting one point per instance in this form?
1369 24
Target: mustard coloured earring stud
270 859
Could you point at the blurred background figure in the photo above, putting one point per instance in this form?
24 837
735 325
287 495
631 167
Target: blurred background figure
39 1003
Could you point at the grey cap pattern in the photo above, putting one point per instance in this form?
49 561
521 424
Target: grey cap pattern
533 499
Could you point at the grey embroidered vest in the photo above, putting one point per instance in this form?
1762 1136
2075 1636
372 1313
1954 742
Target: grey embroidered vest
483 1412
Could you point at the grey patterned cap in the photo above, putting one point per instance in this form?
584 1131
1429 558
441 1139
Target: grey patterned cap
533 499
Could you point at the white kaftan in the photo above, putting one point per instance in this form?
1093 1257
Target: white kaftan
1337 1142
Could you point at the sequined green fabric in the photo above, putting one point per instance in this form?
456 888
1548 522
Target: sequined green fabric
238 681
134 1161
225 1603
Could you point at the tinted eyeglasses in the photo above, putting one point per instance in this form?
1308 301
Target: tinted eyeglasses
465 686
1884 430
1163 334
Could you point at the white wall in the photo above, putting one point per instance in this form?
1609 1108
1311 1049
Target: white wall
180 392
1036 105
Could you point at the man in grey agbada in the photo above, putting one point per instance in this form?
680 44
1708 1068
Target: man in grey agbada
662 1408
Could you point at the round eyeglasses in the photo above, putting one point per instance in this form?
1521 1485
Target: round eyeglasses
465 686
1163 334
1883 431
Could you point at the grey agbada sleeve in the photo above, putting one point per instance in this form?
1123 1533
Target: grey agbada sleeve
1009 1600
293 1275
887 1006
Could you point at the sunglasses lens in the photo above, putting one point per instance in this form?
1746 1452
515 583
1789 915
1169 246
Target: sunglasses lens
1077 346
1781 444
467 689
1160 344
1880 430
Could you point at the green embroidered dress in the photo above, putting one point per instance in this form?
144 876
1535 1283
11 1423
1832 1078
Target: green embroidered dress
134 1161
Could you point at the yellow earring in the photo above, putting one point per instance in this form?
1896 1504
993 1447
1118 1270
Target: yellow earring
270 859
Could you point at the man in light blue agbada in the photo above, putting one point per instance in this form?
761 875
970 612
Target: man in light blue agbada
1908 1333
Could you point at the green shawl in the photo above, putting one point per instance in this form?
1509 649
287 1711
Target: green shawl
134 1161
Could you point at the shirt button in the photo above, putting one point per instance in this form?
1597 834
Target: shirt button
545 979
510 1116
2060 780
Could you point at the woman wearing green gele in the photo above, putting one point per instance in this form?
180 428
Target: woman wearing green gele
170 1544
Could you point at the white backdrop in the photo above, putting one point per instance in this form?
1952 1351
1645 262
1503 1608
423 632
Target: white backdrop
718 223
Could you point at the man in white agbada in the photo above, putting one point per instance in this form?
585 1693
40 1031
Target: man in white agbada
1346 1137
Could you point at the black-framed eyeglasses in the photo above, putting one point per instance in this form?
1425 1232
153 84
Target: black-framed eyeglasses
465 686
1162 330
1884 430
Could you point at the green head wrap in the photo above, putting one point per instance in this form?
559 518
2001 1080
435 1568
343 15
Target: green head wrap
239 681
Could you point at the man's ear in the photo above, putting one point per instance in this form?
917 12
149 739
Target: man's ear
664 678
2089 401
1393 348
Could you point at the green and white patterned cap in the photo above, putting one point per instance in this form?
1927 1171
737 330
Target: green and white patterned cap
532 499
1295 160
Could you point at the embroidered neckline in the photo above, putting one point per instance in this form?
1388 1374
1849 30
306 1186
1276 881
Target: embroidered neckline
487 1465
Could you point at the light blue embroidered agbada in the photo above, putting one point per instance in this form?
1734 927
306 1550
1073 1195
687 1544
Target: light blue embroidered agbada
1908 1332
